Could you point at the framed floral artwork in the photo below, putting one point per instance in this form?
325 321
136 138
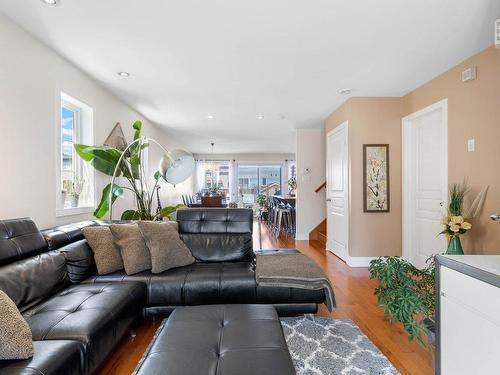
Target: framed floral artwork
376 178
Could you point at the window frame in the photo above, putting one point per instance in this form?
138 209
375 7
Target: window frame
83 117
258 165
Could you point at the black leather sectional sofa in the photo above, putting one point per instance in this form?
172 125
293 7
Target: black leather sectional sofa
77 317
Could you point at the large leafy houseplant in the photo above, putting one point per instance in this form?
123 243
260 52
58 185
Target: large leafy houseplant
105 159
406 294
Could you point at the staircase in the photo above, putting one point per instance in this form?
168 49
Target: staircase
319 233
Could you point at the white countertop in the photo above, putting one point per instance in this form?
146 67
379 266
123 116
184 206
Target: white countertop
488 263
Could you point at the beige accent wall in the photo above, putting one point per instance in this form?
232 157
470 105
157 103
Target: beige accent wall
372 120
473 113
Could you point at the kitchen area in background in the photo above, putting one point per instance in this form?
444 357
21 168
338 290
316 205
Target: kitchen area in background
266 183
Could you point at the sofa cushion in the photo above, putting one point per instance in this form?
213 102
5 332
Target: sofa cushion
231 339
106 253
217 234
165 247
65 234
15 333
31 280
51 357
212 283
19 239
135 253
79 260
98 315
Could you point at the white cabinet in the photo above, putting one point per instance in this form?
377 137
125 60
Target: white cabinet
468 315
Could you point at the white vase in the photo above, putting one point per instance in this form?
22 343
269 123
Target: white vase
73 201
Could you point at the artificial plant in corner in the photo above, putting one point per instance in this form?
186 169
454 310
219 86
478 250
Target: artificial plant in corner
406 294
105 159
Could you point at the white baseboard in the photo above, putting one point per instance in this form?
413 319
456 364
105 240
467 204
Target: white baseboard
359 261
302 236
354 261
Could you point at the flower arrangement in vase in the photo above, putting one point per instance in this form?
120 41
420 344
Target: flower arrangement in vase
455 221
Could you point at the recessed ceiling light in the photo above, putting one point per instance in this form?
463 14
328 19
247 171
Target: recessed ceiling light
50 2
210 117
124 74
260 117
345 91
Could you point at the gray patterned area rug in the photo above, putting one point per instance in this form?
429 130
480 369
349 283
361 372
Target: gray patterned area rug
323 346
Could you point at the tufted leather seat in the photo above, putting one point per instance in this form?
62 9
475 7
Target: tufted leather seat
74 326
222 340
61 357
212 283
98 315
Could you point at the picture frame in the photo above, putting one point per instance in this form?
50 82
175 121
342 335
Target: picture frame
376 181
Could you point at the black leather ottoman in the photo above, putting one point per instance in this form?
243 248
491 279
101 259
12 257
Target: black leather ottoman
219 340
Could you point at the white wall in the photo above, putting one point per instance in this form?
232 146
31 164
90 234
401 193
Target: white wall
310 154
31 78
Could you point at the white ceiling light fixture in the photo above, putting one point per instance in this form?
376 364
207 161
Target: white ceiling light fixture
50 2
210 117
344 91
123 74
211 165
260 117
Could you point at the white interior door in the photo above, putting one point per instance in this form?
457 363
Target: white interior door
425 181
337 185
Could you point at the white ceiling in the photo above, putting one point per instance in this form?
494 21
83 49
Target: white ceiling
235 59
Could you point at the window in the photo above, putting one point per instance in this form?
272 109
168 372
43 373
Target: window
258 179
75 178
215 176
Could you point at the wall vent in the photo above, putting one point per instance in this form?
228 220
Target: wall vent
469 74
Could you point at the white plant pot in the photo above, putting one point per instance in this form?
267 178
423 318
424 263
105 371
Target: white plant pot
73 201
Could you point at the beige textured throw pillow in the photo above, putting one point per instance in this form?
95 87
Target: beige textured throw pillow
135 253
15 333
106 254
165 246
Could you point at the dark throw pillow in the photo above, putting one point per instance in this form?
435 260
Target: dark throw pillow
135 253
165 246
15 333
106 254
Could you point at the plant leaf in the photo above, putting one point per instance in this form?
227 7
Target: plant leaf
135 151
169 210
103 206
102 158
130 215
137 127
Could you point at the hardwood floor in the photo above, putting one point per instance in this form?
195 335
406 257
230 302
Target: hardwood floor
355 301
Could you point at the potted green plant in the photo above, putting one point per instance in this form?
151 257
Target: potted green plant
105 159
262 202
72 194
407 295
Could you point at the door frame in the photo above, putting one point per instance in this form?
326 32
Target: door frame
345 125
408 211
